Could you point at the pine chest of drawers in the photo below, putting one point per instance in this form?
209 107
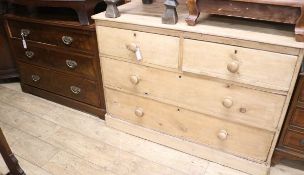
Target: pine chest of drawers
218 90
59 62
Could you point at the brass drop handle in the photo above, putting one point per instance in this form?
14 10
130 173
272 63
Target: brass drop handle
134 79
227 102
67 40
139 112
222 135
29 54
25 32
35 78
71 64
302 142
76 90
132 47
233 66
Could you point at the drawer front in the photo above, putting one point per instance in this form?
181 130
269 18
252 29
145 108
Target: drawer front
63 37
227 101
294 139
250 66
40 55
69 86
236 139
155 49
34 76
297 118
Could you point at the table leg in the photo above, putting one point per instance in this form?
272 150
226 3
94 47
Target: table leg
194 12
112 10
8 157
299 29
170 15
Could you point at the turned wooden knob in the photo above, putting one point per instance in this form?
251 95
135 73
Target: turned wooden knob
134 79
132 47
227 102
233 66
139 112
222 135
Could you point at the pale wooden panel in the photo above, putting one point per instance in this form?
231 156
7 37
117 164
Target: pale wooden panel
234 28
247 142
190 148
198 94
255 67
155 49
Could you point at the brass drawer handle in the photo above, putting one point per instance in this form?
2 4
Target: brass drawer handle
233 66
71 64
222 135
35 78
227 102
75 89
25 32
302 142
139 112
67 40
29 54
134 79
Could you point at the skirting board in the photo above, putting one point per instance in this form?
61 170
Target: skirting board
189 148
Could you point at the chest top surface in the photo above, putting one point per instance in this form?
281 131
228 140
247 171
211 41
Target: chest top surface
235 28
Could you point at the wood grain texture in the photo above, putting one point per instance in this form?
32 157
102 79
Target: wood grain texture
198 94
115 41
255 67
231 28
291 143
206 88
290 12
188 147
63 68
61 83
52 57
243 141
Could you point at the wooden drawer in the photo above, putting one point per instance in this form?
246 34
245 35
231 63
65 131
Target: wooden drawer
79 40
41 55
237 139
297 118
227 101
250 66
294 139
34 76
155 49
69 86
301 87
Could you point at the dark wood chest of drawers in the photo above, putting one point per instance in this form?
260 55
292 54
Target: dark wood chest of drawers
291 143
7 64
60 61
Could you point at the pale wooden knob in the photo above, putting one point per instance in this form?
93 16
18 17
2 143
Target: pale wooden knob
134 79
222 135
227 102
139 112
132 47
233 66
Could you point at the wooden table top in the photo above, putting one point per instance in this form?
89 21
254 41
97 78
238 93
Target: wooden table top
292 3
150 15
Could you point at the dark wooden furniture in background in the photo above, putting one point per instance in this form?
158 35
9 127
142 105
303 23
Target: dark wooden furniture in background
282 11
60 61
9 158
291 143
7 64
83 8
